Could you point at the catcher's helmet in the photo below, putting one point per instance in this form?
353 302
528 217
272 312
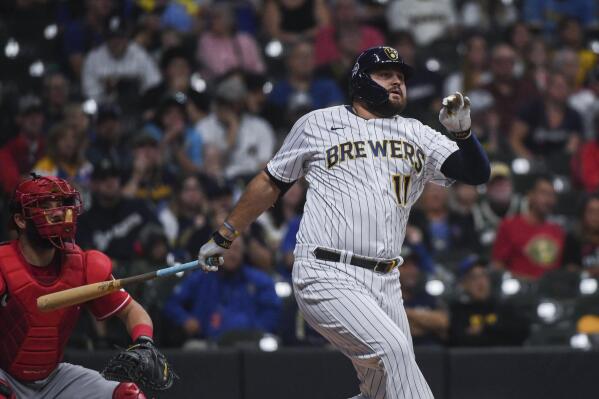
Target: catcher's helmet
361 84
52 204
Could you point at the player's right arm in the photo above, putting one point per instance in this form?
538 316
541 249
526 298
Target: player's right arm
281 172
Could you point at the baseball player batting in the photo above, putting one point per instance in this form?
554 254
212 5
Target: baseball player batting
366 166
44 259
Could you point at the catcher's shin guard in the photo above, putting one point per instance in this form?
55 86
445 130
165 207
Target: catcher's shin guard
6 392
128 390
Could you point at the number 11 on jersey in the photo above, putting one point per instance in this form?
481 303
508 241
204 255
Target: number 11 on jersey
401 186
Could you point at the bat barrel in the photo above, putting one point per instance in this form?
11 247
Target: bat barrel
77 295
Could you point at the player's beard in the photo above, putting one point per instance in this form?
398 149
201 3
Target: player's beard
388 108
34 238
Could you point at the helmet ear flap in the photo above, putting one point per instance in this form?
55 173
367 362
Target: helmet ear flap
366 90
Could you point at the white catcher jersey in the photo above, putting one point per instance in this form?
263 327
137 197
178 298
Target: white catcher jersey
363 177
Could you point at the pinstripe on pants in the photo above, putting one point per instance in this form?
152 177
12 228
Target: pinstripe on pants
361 313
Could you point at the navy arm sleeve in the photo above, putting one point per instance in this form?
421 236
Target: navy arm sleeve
469 164
284 187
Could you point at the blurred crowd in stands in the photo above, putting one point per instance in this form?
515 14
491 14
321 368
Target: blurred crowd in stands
160 111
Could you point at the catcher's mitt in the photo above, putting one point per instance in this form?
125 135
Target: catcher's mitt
143 364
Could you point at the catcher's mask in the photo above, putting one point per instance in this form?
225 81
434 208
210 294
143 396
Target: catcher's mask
52 204
362 86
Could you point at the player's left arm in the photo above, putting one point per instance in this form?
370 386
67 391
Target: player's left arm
118 303
469 164
99 268
137 320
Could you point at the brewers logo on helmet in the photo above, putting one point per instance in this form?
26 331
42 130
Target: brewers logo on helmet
391 53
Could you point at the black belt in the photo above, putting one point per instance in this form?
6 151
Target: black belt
380 266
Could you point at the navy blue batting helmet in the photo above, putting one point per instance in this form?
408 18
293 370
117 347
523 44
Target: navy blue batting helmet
361 84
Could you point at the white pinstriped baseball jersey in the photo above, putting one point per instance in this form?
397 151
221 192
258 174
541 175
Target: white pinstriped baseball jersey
363 176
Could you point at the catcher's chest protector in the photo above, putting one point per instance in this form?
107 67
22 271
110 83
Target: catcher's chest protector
32 342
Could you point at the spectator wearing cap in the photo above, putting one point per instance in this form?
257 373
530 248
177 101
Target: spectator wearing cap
19 154
428 321
66 157
222 49
219 202
83 34
529 244
548 128
245 141
237 297
107 141
118 60
176 68
256 101
180 144
187 212
479 319
149 179
499 202
581 250
219 196
301 90
113 222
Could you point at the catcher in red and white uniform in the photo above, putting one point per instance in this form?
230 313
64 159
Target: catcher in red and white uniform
44 259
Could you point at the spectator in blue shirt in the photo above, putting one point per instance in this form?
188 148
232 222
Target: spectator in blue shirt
180 143
237 297
300 89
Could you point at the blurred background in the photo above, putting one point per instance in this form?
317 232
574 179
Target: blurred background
161 111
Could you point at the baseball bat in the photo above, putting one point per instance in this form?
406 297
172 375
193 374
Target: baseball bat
77 295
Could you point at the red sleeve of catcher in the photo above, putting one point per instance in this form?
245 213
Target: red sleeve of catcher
99 268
